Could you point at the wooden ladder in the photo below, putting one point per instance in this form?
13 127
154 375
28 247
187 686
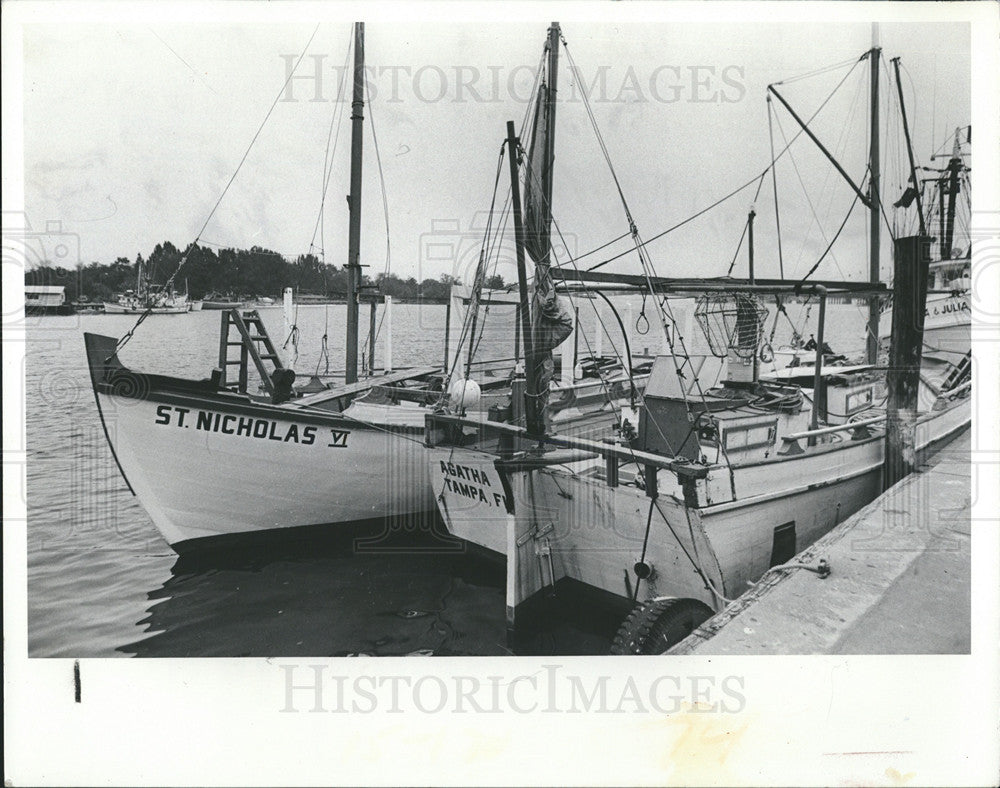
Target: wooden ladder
250 329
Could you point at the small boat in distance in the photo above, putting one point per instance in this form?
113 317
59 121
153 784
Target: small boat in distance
132 303
216 301
145 300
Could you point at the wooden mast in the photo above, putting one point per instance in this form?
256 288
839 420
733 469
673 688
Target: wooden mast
550 100
522 273
354 202
875 205
954 167
909 149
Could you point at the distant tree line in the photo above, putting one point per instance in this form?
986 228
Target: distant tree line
244 273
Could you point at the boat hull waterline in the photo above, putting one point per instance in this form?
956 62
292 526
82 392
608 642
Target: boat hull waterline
557 523
206 464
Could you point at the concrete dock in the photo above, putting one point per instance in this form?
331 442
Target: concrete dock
899 580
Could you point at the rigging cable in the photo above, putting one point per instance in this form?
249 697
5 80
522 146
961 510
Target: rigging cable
774 189
336 121
738 189
149 309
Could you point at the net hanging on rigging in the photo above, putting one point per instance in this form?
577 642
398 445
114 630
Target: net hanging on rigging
733 324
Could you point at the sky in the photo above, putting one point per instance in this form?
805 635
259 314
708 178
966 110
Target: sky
133 127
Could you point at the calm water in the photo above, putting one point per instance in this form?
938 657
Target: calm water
101 582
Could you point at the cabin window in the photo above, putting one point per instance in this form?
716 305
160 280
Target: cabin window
859 400
783 548
751 436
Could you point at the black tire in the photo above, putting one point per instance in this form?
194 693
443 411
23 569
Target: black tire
653 627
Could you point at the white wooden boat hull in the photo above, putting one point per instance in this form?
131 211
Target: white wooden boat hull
121 309
210 462
558 522
241 469
947 323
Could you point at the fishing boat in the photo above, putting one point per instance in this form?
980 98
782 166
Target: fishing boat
145 300
219 457
132 303
946 195
725 476
942 202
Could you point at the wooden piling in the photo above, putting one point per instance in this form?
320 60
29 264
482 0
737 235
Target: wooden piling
911 260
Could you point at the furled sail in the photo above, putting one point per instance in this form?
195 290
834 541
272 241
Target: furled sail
551 320
538 183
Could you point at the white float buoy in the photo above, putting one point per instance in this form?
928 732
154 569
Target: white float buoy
464 393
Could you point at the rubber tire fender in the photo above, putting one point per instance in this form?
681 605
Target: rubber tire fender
653 627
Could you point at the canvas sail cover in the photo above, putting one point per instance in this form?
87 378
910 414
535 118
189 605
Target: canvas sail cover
551 321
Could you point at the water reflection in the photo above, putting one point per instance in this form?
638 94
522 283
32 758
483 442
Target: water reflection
409 594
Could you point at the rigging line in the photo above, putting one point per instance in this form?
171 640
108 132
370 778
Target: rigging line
774 189
644 262
497 240
218 202
694 546
680 544
830 245
805 192
396 433
634 393
336 121
149 308
602 246
822 70
491 254
841 148
477 285
645 543
626 364
745 185
189 66
679 224
524 123
838 148
323 348
746 226
467 321
600 138
381 177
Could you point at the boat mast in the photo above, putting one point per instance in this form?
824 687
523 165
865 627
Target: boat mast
550 137
873 196
354 202
522 275
954 166
909 148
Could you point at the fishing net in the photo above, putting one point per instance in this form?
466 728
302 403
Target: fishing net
733 323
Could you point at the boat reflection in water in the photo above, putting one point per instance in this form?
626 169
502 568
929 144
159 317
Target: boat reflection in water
411 591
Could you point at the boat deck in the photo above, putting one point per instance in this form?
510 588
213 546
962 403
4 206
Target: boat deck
899 581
